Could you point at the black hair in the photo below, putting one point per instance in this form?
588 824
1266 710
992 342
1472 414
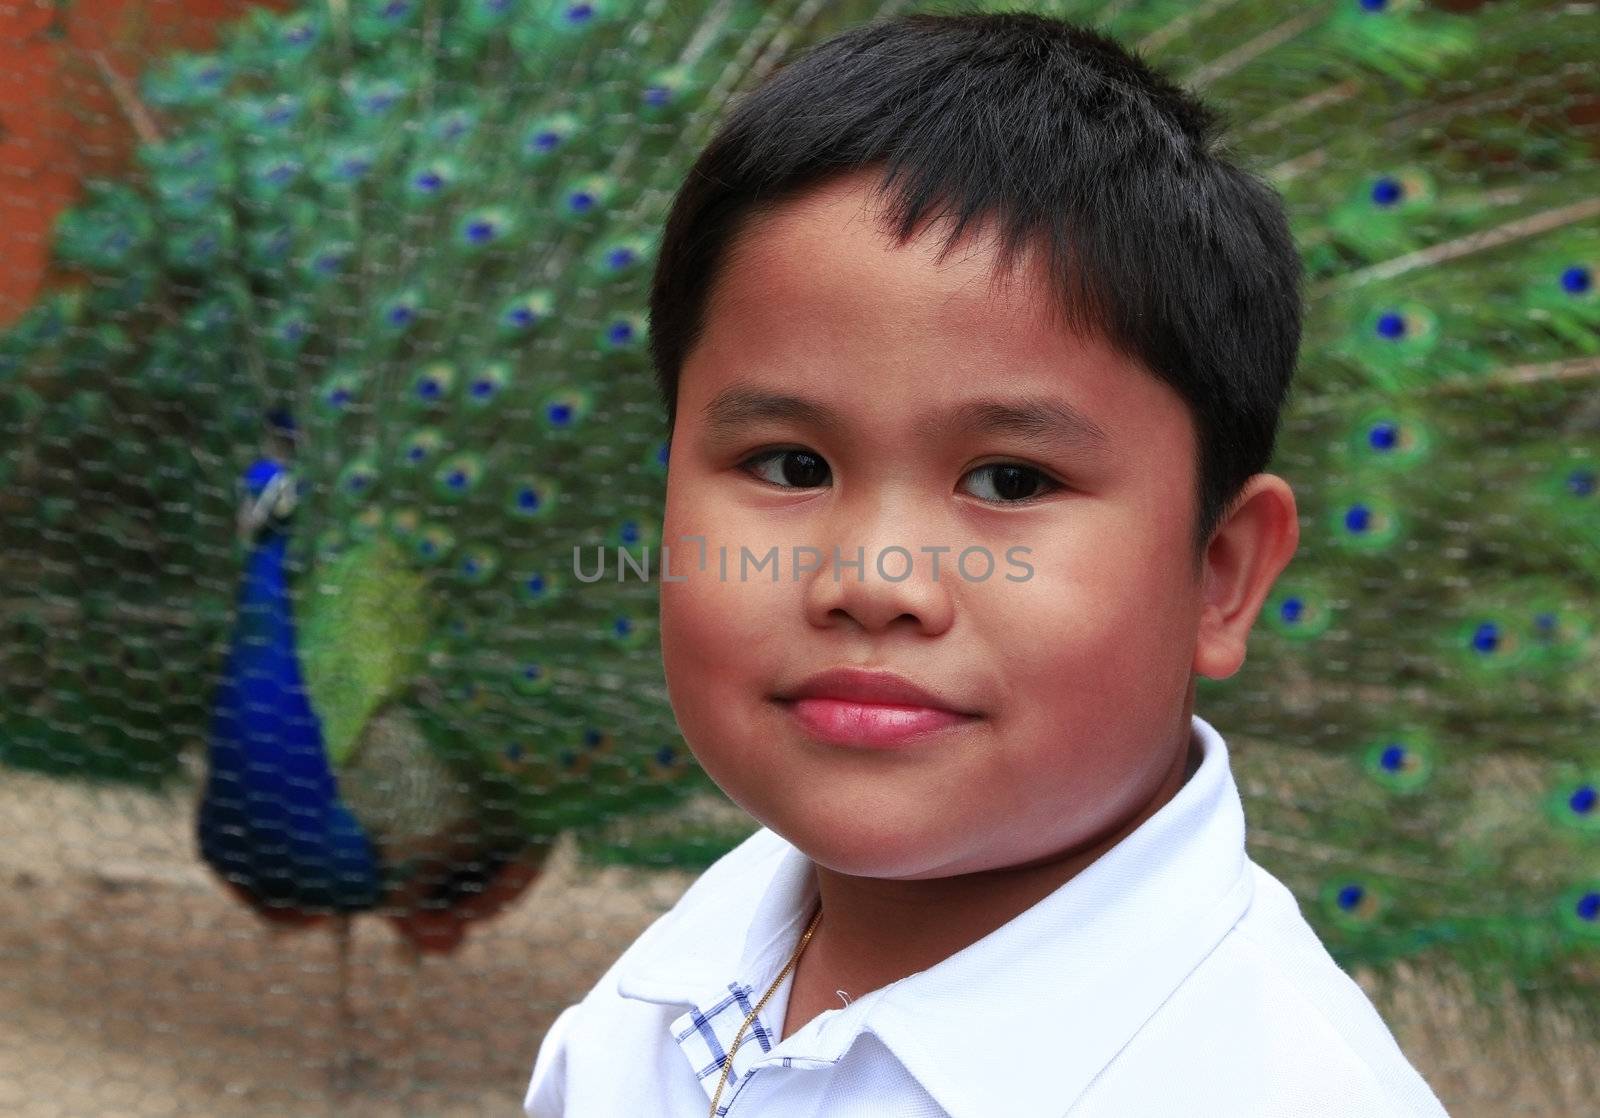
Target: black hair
1156 243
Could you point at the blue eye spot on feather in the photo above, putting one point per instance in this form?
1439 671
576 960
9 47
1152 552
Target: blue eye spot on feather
1401 764
560 414
580 201
357 479
1486 637
623 627
478 565
1391 325
621 257
1382 436
1581 483
459 474
394 9
624 332
485 226
434 543
1353 904
1387 191
433 383
579 13
1374 5
531 496
1577 280
1290 610
1356 518
378 102
281 171
453 125
488 383
1588 907
1583 800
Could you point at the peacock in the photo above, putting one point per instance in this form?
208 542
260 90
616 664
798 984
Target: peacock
338 387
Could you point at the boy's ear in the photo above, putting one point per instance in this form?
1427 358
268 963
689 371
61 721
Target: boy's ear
1244 558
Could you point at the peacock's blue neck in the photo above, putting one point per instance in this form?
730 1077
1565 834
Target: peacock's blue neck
271 818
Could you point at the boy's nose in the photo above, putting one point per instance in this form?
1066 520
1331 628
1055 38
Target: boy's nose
878 584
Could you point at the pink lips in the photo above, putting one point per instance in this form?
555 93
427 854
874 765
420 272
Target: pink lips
872 709
869 724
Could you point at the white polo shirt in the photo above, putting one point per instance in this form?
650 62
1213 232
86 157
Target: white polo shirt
1173 976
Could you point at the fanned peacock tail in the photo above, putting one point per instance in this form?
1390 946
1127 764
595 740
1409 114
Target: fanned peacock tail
406 252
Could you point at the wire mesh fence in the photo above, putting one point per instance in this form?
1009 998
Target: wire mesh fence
326 781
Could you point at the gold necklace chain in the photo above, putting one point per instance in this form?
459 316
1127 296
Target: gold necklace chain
738 1037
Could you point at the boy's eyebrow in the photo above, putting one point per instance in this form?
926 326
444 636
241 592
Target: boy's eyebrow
1037 419
1042 420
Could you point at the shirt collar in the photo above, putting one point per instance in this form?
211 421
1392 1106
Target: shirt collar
1041 1004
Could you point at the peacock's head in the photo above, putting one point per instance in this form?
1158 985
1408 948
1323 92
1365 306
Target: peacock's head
267 499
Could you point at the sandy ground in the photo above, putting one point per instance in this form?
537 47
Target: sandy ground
131 985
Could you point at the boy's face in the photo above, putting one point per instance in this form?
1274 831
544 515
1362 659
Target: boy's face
1080 672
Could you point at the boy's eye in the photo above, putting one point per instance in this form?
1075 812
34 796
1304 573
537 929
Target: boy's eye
1014 483
1010 482
799 468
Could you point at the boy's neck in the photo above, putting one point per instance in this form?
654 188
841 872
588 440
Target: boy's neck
874 932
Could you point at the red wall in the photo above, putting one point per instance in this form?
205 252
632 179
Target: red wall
58 120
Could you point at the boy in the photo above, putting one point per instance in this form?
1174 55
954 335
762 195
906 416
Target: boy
978 349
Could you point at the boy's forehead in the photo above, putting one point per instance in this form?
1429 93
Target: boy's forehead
817 302
833 246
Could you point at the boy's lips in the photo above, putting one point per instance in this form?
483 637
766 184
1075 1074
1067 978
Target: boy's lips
882 688
852 706
872 725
